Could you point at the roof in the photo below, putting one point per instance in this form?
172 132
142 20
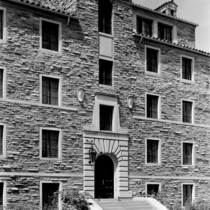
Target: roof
62 6
173 44
157 12
172 1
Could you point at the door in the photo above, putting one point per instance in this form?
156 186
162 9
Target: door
104 177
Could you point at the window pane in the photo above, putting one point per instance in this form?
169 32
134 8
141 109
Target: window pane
1 83
49 190
187 153
186 68
187 194
1 139
164 32
1 24
152 151
106 115
152 106
152 60
187 111
152 188
105 72
1 193
144 26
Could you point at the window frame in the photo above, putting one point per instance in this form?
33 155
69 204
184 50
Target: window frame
59 195
158 154
59 36
152 183
4 86
167 25
100 117
192 68
4 192
182 192
146 19
4 25
112 67
4 144
59 89
158 60
158 108
192 111
59 143
193 154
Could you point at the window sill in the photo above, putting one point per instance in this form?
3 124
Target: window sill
187 81
42 50
3 41
152 164
152 73
107 35
48 159
188 166
106 86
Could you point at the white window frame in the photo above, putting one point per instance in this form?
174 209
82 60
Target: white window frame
182 192
59 36
4 26
159 152
193 154
193 111
59 195
59 143
158 59
59 89
4 145
192 68
151 183
4 80
159 105
4 193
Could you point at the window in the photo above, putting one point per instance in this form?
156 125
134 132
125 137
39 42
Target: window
105 16
50 90
164 32
187 68
152 188
144 26
187 153
1 82
1 24
105 72
152 151
1 194
2 140
50 143
187 194
152 60
152 106
49 190
106 115
187 111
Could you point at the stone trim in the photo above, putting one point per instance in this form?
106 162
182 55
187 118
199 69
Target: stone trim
4 69
193 191
4 141
192 112
4 40
169 177
193 154
170 121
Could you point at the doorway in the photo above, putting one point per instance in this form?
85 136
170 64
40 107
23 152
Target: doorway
104 177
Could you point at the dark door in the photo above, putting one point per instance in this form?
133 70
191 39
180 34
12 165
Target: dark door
104 176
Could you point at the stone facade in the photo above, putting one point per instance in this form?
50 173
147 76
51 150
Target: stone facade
23 115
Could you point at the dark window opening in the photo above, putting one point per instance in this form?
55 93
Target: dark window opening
144 26
1 83
1 24
186 68
152 106
152 189
105 16
1 139
48 192
1 193
164 32
50 90
50 33
106 116
152 60
187 111
172 12
105 72
152 151
187 194
187 153
50 140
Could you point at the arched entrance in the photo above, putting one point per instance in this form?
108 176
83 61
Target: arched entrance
104 177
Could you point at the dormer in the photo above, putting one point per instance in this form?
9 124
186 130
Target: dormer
168 8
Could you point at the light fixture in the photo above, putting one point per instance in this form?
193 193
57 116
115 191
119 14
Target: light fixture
130 101
92 155
80 94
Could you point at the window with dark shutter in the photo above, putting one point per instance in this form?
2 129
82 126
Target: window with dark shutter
152 151
164 32
152 189
106 117
105 16
187 68
1 24
187 194
50 34
50 141
144 26
1 139
50 90
187 153
105 72
1 83
152 60
152 106
1 193
187 111
48 191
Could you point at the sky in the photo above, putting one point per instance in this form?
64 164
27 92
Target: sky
196 11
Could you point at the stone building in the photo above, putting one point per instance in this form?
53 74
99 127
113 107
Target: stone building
114 76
